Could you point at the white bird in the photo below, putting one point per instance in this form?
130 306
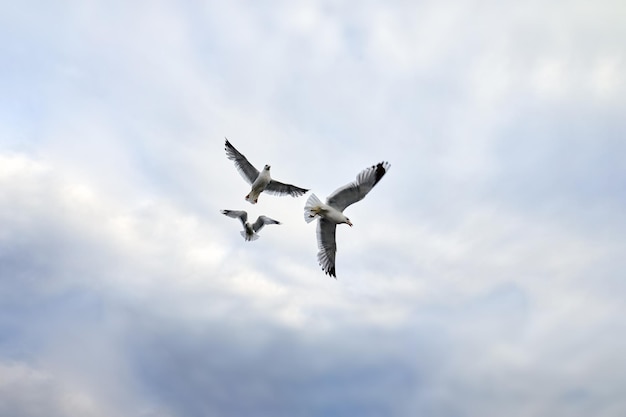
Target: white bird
249 230
331 213
259 181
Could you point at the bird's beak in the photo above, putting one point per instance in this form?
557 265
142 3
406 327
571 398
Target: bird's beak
349 223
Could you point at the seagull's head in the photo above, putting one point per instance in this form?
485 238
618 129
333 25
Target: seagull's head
348 222
266 167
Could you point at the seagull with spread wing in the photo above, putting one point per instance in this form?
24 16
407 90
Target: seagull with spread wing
259 181
249 232
331 213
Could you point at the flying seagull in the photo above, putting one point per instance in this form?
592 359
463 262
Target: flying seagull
249 230
259 181
331 213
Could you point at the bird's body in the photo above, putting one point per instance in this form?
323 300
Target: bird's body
317 208
330 214
259 181
259 185
250 230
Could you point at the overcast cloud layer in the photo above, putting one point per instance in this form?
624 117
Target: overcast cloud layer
484 275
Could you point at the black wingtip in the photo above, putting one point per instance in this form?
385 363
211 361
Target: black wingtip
231 152
299 192
330 271
381 170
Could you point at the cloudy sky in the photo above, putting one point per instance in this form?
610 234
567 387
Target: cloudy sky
484 275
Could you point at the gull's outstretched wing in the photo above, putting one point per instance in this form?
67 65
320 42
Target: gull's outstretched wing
262 221
327 246
245 168
355 191
278 188
242 215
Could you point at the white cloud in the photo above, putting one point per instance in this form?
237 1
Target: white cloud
606 77
482 274
32 392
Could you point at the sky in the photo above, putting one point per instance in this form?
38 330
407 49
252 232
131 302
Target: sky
484 274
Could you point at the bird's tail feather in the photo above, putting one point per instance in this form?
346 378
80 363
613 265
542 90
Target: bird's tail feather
310 208
250 238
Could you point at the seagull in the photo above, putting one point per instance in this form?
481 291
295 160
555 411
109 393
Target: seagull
249 230
331 213
259 181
